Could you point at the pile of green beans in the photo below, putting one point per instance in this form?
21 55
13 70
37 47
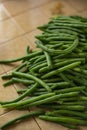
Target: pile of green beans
55 75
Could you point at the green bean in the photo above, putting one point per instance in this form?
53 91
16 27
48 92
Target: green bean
33 59
35 64
66 79
10 82
26 93
68 113
21 58
24 81
20 91
68 50
38 93
66 21
59 64
27 50
66 27
6 76
71 107
60 84
65 31
30 114
48 35
75 127
29 76
48 58
52 98
74 89
38 66
69 99
72 25
55 45
83 98
75 103
85 93
80 81
54 72
27 101
41 58
20 67
64 120
54 79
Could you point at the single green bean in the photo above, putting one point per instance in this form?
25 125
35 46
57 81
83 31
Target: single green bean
29 76
48 58
27 101
24 81
26 93
54 72
68 113
64 120
30 114
73 89
21 58
60 85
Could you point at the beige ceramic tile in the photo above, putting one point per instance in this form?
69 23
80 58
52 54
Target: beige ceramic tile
13 49
22 5
32 39
49 9
83 13
9 30
1 1
45 125
57 7
3 13
67 9
28 124
83 128
1 69
6 94
28 21
79 5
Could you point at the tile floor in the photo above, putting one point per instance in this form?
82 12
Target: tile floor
18 22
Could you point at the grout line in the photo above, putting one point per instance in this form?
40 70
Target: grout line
28 9
23 34
6 112
37 124
11 16
11 39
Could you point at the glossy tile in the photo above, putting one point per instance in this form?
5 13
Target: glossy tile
25 4
6 94
52 8
28 124
3 13
13 49
57 7
83 13
83 128
32 39
79 5
67 9
1 69
29 21
9 30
